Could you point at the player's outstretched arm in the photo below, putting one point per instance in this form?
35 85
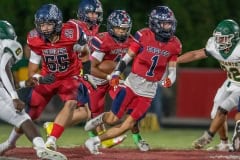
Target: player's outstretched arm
170 75
192 56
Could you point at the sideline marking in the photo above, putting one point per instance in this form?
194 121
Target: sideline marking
235 157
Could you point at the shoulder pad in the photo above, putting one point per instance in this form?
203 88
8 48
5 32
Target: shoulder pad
14 47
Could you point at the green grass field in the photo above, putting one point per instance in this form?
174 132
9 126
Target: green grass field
165 138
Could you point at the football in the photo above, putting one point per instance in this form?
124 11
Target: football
107 66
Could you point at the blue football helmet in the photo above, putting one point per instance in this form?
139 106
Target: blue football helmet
119 18
158 16
49 13
87 6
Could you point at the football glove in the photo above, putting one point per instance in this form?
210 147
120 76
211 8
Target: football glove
32 81
49 78
114 81
166 83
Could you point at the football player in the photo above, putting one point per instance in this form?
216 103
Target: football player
111 46
224 47
12 108
154 50
90 16
52 44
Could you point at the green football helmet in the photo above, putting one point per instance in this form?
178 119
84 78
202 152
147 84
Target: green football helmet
7 31
226 34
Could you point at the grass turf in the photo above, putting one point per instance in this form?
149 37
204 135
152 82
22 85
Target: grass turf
165 138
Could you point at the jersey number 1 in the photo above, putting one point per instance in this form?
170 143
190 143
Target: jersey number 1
154 60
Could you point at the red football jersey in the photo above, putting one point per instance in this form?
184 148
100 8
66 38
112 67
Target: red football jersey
89 32
113 50
58 58
153 56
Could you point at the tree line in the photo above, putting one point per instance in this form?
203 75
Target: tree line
196 19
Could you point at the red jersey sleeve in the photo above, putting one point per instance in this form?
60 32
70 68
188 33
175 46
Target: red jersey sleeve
134 47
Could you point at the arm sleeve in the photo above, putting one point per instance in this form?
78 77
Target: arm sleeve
81 43
6 79
206 52
98 55
134 47
172 74
35 58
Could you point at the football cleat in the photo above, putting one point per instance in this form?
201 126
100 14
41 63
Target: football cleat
220 147
48 126
93 123
143 145
202 141
51 143
113 141
45 153
92 145
236 137
5 146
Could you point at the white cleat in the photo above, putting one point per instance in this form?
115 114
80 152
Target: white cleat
5 146
202 141
51 143
143 146
93 123
225 147
45 153
236 137
92 145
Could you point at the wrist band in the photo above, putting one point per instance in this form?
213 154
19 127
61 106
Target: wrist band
109 77
22 84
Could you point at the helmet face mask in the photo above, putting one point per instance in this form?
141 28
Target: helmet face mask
119 20
223 42
160 16
226 35
90 6
48 14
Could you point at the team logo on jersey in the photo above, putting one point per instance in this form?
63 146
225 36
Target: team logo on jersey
156 50
68 33
119 51
18 51
33 33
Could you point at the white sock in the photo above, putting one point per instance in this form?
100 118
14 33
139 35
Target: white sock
97 139
224 141
52 138
13 137
38 142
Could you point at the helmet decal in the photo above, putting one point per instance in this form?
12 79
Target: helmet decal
119 18
158 17
49 13
87 6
